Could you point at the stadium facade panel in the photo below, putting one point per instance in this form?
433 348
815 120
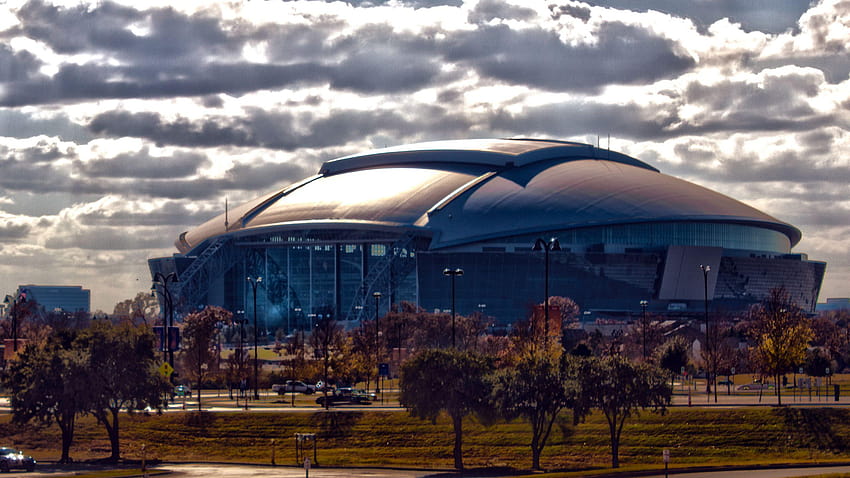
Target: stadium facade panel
392 220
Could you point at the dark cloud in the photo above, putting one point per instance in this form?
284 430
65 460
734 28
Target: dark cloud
16 66
487 10
87 82
808 169
576 11
17 124
103 239
258 128
41 152
580 117
778 96
384 71
172 213
771 16
39 177
172 36
623 55
142 165
261 177
180 132
10 231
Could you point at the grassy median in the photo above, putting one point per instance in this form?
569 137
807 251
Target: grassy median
355 438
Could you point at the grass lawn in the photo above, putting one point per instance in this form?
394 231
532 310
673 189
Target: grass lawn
693 436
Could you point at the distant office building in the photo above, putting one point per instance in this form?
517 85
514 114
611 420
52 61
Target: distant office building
842 303
392 221
53 298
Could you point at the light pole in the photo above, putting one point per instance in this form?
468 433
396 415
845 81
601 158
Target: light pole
160 281
546 246
377 296
705 270
643 305
453 273
254 283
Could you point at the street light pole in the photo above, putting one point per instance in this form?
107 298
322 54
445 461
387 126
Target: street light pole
643 305
705 270
254 283
377 296
546 246
457 272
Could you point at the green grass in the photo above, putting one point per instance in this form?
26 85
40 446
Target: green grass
694 437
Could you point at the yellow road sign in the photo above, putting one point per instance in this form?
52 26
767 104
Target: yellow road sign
166 369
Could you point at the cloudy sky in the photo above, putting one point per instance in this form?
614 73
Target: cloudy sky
124 124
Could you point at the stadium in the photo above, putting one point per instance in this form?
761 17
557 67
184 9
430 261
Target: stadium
392 221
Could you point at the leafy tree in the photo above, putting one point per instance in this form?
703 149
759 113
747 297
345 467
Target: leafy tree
816 363
619 389
673 355
782 334
49 384
446 380
200 347
537 389
122 374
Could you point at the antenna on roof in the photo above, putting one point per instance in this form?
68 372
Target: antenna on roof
226 223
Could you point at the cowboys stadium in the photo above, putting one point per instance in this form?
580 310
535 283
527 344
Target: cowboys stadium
516 216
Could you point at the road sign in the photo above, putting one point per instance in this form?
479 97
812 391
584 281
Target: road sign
384 369
666 455
166 369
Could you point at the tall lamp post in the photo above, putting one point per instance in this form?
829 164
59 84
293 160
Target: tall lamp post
705 270
643 305
546 246
254 283
160 286
377 296
453 273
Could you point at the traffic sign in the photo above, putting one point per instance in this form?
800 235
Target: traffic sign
166 369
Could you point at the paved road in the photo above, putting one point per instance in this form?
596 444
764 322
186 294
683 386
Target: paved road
778 473
237 471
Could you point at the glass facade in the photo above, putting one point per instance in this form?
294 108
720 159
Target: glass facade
304 276
335 272
663 234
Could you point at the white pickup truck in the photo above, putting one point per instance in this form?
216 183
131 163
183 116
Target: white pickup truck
294 386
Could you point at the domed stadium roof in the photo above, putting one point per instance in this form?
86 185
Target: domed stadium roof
460 192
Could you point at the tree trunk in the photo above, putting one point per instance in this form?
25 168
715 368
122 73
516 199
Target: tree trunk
535 457
67 428
114 438
457 422
778 390
615 451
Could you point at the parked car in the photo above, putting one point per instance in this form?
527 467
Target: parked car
347 395
756 386
182 391
11 458
295 386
